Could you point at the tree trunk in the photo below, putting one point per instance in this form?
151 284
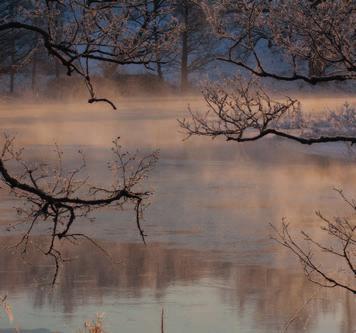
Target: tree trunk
159 65
156 37
316 66
34 74
12 72
57 69
13 54
184 83
59 32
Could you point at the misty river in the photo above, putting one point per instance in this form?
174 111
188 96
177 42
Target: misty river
209 250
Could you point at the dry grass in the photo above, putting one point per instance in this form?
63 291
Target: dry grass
94 326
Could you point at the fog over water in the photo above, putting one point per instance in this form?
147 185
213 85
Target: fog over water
209 262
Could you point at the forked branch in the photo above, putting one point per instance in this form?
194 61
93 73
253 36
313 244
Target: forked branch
242 111
340 244
59 197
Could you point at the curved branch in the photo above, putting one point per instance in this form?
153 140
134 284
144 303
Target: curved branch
302 140
242 111
313 80
60 198
284 238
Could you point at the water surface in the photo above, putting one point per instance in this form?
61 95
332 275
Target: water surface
210 262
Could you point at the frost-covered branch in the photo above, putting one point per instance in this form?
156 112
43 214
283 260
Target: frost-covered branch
117 32
314 40
241 110
53 195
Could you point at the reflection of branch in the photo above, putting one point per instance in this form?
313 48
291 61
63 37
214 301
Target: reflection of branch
62 197
297 314
162 320
340 244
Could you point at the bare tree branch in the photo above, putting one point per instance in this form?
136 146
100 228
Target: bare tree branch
59 197
117 32
313 39
242 111
341 243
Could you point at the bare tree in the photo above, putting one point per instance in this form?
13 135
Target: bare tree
17 46
197 43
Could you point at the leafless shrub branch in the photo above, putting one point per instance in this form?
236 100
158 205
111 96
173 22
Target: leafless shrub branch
58 197
241 110
340 245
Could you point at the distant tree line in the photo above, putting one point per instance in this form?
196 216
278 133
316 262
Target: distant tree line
180 39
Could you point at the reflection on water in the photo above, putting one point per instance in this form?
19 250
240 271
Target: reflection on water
210 262
152 277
